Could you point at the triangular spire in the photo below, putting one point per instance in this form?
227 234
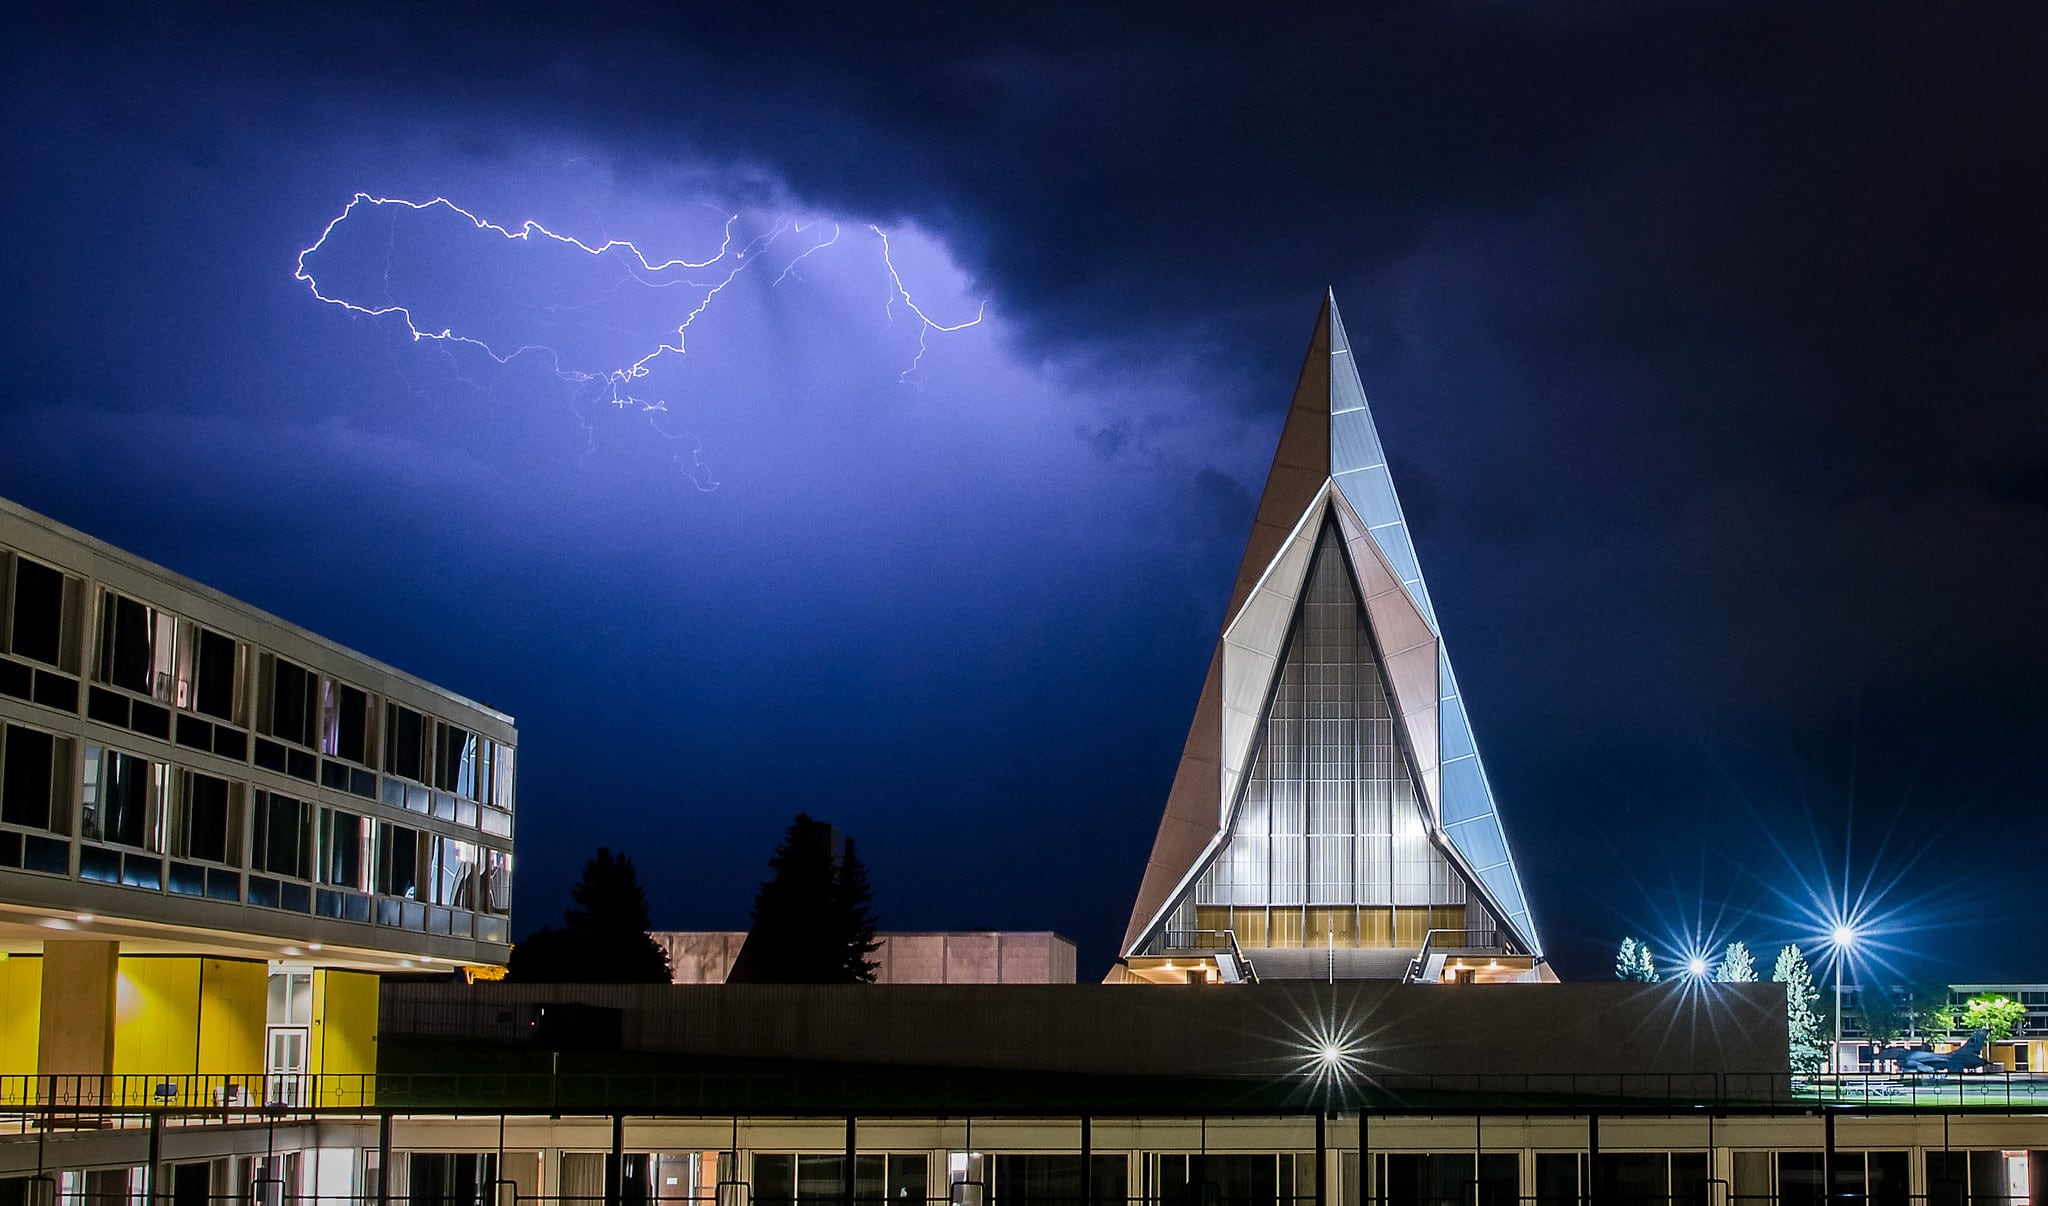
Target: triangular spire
1329 473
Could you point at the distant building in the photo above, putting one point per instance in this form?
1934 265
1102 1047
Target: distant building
1330 818
2025 1051
965 957
217 828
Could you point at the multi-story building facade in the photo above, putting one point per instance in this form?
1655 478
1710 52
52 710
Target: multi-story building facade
217 828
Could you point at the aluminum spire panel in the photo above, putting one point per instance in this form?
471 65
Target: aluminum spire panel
1329 486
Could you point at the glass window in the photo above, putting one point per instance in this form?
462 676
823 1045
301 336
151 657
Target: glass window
398 860
345 722
206 819
1447 1179
283 836
343 836
497 889
293 706
34 767
291 999
137 648
456 760
121 797
37 630
405 736
454 873
501 777
1055 1180
209 672
1330 817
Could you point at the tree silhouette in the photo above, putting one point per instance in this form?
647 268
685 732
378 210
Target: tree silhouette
603 939
855 917
813 923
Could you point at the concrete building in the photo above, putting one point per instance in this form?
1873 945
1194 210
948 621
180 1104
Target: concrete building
217 828
961 957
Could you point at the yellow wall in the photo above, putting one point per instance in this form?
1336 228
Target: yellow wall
344 1045
21 1014
190 1022
233 996
156 1017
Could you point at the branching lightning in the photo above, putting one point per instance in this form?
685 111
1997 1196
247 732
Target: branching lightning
625 385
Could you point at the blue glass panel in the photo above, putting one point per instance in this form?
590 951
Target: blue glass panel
1455 730
1480 841
48 855
188 879
1465 794
1353 442
1400 554
1371 492
98 865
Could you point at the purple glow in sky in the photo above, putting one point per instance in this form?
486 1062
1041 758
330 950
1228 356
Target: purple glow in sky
627 294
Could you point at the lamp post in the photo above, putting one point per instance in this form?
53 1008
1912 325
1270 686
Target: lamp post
1844 937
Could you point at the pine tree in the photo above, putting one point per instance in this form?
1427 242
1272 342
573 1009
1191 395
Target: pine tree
1633 962
1737 965
856 915
813 923
603 939
1804 1023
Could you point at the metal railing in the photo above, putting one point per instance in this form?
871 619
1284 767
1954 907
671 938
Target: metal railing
1208 942
1494 943
45 1190
31 1102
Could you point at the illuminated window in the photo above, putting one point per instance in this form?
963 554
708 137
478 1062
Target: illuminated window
1330 817
121 799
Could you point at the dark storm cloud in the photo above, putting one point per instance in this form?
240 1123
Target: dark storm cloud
1708 341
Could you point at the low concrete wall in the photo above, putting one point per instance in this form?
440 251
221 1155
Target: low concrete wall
954 957
1390 1029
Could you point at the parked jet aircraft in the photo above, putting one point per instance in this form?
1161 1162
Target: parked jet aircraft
1965 1058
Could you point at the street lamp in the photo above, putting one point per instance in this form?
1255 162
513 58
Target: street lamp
1844 937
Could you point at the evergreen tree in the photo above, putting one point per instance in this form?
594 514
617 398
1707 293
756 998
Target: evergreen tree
603 939
856 916
1633 962
1737 965
1805 1024
813 923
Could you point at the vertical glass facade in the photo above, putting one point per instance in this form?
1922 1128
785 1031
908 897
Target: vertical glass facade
1329 846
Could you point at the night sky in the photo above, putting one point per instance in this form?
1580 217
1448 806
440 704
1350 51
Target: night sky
1709 342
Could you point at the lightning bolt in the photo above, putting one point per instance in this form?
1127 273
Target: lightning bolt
619 383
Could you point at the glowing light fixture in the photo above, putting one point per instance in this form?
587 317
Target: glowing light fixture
1696 967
